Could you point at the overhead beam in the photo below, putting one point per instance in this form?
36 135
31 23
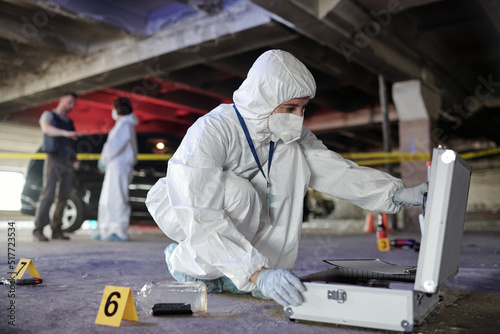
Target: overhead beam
492 9
130 59
323 123
55 9
35 27
318 8
342 29
144 99
207 6
337 34
374 39
441 68
204 79
403 4
231 66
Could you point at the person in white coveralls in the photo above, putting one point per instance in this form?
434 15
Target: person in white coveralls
118 158
233 195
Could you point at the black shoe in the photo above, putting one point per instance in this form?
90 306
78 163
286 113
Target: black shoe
59 236
38 236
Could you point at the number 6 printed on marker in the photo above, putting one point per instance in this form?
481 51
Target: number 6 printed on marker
111 302
114 308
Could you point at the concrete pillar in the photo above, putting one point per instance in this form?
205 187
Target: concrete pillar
418 107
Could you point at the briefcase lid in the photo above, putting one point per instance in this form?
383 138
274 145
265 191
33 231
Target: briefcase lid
444 221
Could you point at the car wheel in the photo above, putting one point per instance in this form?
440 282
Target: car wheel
72 218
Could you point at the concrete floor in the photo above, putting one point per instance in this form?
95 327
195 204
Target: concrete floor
75 273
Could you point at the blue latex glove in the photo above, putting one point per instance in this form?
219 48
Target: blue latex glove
281 285
101 166
411 196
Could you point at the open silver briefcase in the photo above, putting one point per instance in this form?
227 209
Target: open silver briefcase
397 298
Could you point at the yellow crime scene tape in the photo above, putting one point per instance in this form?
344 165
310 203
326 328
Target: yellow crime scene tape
82 156
381 158
362 159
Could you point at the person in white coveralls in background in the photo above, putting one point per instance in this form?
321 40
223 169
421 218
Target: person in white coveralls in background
232 198
118 158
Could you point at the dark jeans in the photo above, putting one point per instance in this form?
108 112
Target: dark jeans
57 180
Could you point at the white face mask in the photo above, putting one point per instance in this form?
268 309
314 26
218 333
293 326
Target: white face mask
285 126
114 114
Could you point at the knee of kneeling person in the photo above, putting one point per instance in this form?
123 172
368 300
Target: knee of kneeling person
239 191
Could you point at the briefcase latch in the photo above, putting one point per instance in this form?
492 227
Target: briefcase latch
339 295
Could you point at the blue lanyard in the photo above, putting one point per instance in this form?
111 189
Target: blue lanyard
252 148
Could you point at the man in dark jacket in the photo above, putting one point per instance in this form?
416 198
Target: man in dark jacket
59 142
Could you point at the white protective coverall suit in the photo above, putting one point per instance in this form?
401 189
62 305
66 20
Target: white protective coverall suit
213 198
119 156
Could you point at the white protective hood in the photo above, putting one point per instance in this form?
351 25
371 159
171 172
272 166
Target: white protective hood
275 77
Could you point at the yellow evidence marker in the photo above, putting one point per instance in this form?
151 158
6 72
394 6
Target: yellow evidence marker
22 266
383 245
116 304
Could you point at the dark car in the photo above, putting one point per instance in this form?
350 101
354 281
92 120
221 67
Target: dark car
87 182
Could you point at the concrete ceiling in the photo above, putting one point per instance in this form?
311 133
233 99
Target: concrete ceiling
177 60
